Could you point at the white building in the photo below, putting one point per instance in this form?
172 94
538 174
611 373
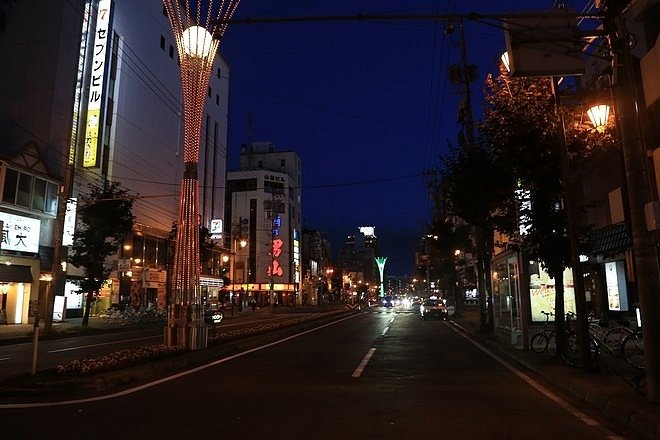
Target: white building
263 203
97 83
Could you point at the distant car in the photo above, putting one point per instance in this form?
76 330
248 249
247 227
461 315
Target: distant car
387 301
433 308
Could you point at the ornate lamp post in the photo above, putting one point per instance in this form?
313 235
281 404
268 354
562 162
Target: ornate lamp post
197 32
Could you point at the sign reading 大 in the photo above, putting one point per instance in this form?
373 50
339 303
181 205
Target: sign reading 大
20 233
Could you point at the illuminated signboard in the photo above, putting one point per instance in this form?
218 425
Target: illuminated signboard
216 229
69 221
93 121
20 233
615 278
296 256
275 268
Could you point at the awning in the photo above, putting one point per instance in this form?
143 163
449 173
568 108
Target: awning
610 240
15 274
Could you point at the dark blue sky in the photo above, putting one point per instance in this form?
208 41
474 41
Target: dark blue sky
368 106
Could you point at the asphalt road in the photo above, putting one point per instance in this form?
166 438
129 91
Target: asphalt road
17 358
374 375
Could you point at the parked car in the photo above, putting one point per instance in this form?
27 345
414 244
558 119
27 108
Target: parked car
433 308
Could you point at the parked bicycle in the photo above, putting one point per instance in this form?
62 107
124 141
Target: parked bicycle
632 350
545 339
608 339
571 354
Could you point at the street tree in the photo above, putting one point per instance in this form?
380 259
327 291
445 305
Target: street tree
524 129
477 190
102 223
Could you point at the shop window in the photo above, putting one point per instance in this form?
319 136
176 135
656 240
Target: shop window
24 190
149 252
161 253
39 198
51 199
138 248
11 180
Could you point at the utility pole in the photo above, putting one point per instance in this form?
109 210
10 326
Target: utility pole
463 76
628 104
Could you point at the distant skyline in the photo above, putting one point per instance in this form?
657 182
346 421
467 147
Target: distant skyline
368 106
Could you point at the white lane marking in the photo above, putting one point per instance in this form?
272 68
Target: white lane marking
365 360
4 359
80 347
540 388
385 331
168 378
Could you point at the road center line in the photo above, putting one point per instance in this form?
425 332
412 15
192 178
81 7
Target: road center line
363 363
385 331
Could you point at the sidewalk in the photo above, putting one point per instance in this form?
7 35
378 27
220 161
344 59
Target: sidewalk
615 389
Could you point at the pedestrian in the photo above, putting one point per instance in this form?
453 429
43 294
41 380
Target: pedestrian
253 303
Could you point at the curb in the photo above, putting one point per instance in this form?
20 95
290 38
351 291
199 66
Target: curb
641 418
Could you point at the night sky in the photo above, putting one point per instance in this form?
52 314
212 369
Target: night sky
367 106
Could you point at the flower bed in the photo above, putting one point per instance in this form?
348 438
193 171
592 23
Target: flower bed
118 360
131 357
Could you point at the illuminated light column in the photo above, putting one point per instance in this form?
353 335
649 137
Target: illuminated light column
198 28
380 262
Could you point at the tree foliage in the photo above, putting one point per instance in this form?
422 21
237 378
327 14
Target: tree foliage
523 128
102 224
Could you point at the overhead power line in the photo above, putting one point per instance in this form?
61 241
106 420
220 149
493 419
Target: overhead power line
400 17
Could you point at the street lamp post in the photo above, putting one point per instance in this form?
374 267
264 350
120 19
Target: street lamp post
197 38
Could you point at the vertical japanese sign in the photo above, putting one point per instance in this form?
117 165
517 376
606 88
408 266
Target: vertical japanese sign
94 103
70 221
275 268
296 257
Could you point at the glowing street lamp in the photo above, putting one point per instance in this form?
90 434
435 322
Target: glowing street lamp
197 31
598 115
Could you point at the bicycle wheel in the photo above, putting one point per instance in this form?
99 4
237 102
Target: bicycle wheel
571 354
632 350
539 343
615 336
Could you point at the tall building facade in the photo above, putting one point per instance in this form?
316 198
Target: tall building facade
264 208
96 93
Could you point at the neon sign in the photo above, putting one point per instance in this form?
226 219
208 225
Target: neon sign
275 268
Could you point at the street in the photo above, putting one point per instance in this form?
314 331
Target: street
17 358
377 374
